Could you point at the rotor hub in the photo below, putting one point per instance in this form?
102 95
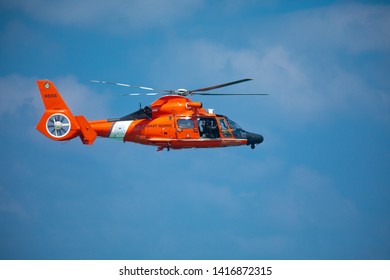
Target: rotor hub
182 92
57 125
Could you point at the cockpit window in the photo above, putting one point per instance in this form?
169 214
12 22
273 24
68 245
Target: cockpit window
185 123
223 124
224 128
238 132
232 124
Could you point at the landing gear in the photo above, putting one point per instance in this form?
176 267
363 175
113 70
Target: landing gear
159 149
253 146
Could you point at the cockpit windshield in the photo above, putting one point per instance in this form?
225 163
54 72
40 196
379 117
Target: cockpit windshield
238 132
232 124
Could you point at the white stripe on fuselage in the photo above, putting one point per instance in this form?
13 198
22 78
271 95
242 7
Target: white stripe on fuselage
119 129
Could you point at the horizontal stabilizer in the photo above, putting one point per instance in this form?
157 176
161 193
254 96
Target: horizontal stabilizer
88 134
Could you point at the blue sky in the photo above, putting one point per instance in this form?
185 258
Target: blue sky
317 188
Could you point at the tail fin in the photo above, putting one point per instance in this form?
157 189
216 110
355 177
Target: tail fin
58 122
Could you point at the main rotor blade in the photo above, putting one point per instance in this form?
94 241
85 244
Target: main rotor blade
224 94
219 86
121 84
138 94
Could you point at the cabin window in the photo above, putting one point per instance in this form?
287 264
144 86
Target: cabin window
185 123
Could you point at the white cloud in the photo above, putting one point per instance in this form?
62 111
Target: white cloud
17 35
17 91
300 65
275 70
81 99
309 199
11 206
357 27
352 27
117 15
312 62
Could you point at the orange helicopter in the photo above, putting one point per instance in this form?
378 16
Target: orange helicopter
173 121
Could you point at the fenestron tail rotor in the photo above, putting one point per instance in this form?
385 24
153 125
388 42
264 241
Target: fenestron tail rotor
58 125
182 91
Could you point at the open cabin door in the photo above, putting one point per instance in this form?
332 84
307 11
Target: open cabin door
214 128
208 128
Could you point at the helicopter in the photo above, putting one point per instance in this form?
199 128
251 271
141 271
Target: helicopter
173 121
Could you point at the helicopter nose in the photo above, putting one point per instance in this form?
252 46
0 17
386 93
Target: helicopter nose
253 139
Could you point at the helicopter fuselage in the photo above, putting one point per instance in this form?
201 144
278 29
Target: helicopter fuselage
171 122
175 122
